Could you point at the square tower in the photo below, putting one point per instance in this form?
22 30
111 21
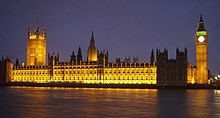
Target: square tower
201 53
36 47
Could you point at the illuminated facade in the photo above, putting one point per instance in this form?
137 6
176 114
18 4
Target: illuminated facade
201 53
191 74
98 70
36 47
87 73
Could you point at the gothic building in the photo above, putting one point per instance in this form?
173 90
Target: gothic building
97 69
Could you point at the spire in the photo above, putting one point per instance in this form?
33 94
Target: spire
152 58
92 38
79 55
37 31
92 51
92 42
73 57
201 24
201 19
79 50
185 50
17 62
45 32
29 31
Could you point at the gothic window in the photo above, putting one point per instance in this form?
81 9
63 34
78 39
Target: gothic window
32 50
40 50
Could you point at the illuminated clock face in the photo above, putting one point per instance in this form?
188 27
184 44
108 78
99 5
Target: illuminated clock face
201 39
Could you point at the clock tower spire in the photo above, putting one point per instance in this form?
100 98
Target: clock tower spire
201 53
201 24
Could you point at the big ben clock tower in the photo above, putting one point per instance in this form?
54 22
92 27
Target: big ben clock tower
201 53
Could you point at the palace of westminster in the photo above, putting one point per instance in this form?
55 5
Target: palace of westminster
98 70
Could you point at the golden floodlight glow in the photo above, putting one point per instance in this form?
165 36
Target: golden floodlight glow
98 70
36 48
201 54
111 75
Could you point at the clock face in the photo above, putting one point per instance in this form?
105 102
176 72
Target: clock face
201 39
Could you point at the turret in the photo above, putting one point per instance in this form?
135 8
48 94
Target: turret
29 32
53 59
73 57
79 55
152 58
103 57
45 33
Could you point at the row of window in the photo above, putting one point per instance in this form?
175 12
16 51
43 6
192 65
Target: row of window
82 71
75 67
91 67
30 72
81 78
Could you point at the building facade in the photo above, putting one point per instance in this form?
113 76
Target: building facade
98 70
173 71
6 70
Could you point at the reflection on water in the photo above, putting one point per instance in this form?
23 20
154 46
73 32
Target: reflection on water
46 102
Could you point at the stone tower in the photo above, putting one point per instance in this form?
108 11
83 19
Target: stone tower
201 53
92 51
36 47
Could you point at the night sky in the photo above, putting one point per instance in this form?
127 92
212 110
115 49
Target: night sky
126 28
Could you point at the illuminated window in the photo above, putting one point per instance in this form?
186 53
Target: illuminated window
32 50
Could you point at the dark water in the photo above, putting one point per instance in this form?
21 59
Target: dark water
43 102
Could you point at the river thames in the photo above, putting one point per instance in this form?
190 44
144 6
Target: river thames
52 102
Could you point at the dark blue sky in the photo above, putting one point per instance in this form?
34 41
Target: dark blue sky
123 27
